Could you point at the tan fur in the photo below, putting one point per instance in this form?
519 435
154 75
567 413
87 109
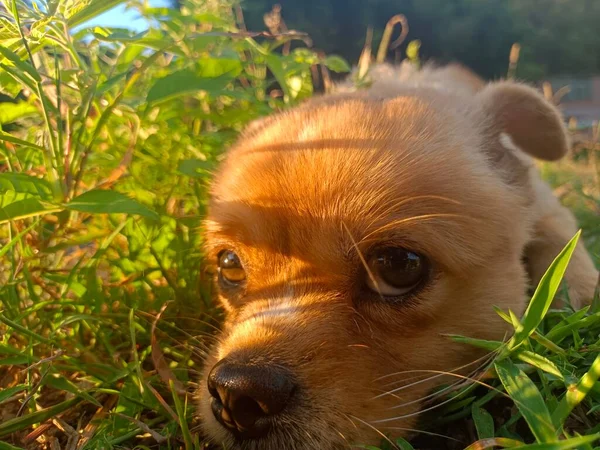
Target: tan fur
418 164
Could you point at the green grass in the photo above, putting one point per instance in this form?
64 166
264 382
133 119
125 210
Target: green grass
106 147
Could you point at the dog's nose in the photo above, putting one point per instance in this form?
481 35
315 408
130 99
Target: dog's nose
246 397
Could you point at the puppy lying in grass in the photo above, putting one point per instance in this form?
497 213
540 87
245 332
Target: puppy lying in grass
352 233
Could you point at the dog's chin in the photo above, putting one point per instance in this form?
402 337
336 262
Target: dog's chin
295 435
280 440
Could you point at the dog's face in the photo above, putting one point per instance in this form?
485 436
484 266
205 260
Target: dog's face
350 237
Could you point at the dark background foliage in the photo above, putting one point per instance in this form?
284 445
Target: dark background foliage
558 37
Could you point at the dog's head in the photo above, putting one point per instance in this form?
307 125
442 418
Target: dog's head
350 235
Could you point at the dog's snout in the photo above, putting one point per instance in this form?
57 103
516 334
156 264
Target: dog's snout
246 397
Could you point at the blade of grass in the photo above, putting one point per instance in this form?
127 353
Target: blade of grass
134 352
481 343
23 330
528 399
181 413
16 239
7 446
567 444
544 294
15 140
558 333
494 442
540 362
9 392
576 394
20 423
95 8
484 422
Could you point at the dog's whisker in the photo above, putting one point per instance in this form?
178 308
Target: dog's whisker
194 343
466 378
363 260
340 434
434 395
438 374
410 220
427 433
351 418
310 438
194 319
195 349
398 204
187 370
475 361
431 396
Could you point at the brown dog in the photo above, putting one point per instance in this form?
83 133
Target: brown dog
352 233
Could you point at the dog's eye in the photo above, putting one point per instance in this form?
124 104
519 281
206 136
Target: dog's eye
231 271
396 271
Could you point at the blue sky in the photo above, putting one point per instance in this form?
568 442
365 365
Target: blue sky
121 17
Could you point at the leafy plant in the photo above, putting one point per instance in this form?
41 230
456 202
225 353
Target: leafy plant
107 142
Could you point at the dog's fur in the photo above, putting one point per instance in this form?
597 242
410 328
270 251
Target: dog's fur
435 161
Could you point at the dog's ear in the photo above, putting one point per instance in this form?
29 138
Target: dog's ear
534 125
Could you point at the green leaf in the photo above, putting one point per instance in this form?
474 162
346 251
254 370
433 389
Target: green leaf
337 64
547 343
528 399
29 207
8 85
217 67
15 140
540 362
25 184
403 444
9 392
494 442
92 10
19 63
7 446
23 330
504 316
11 112
276 66
109 202
118 34
20 423
481 343
576 394
181 414
116 80
558 333
5 248
59 382
567 444
147 39
544 294
15 360
484 422
195 167
186 81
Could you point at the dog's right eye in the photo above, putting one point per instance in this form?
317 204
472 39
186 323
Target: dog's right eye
231 271
396 271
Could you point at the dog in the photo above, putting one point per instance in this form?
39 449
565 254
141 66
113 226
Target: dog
351 234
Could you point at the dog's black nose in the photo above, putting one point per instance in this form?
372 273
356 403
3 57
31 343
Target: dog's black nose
246 397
